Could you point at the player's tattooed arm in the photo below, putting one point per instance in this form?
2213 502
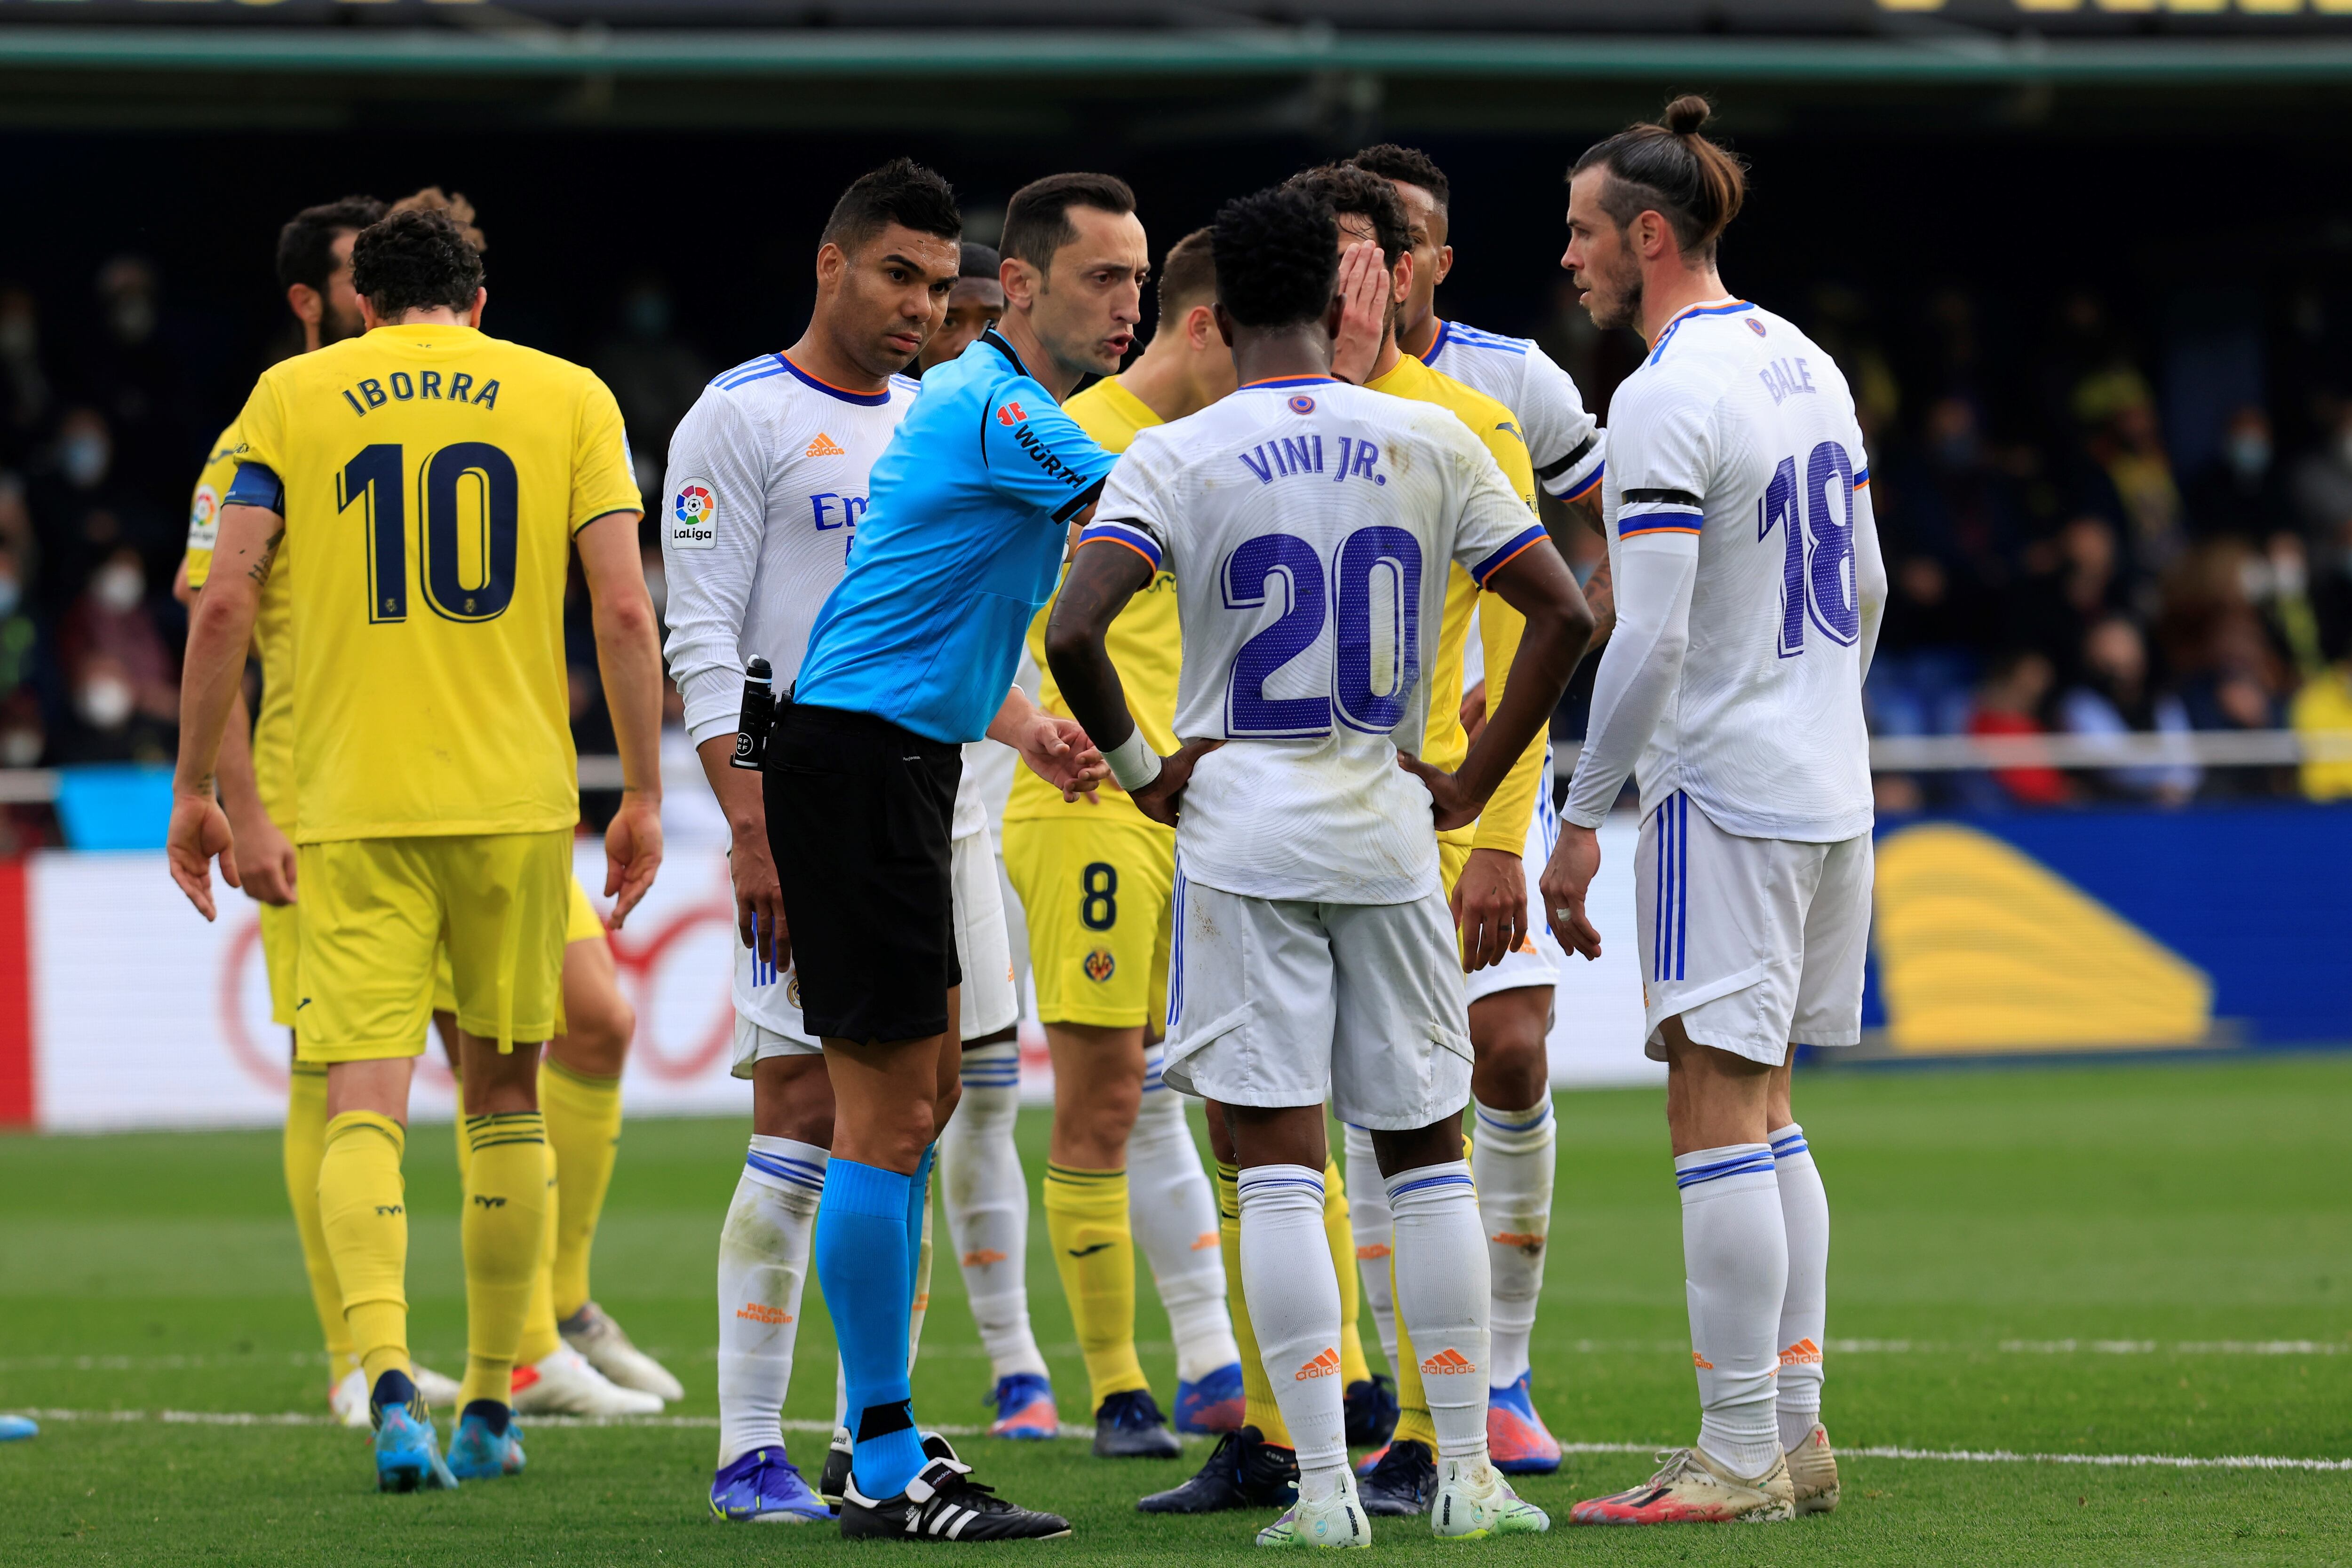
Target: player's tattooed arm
260 569
1600 596
212 673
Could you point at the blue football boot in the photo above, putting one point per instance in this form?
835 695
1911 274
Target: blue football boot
407 1450
1212 1406
764 1487
488 1443
1025 1407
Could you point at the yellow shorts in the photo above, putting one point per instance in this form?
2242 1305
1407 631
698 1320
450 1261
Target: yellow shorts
1095 888
281 937
376 911
584 925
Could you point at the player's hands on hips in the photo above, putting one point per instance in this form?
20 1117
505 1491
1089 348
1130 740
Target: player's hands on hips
1364 285
264 860
1057 750
1162 800
758 896
633 853
199 831
1490 908
1449 803
1575 860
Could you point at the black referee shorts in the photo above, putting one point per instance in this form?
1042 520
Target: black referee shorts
858 813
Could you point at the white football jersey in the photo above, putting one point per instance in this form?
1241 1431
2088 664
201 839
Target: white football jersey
1567 445
1739 429
1309 524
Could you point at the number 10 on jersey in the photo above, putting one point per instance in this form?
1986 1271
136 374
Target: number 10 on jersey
468 504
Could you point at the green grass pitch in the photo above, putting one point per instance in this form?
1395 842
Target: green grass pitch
2117 1260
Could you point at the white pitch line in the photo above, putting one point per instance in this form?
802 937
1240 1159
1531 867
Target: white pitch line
1878 1452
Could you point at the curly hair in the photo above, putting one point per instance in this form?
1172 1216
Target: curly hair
1409 164
433 199
1277 256
415 260
1350 192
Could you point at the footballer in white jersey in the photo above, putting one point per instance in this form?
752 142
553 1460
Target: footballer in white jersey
767 481
1567 445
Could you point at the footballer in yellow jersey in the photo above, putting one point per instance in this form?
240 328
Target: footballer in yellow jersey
431 480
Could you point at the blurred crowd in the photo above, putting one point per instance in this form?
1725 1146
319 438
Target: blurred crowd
2058 564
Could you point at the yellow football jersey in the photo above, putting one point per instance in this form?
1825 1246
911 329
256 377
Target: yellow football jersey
432 478
1503 825
1144 642
273 637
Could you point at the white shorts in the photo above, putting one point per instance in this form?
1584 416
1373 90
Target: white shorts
1536 960
767 1010
1287 1002
1756 943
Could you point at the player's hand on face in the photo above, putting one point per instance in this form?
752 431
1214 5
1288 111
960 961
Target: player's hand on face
1163 798
1057 750
265 861
1364 284
633 854
1566 879
200 832
758 896
1449 804
1490 908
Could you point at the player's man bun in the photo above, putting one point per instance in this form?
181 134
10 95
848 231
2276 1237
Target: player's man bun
1037 220
415 260
1277 256
1670 169
901 191
1352 192
1409 164
306 245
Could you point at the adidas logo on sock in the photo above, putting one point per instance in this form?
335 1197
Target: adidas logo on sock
982 1257
1324 1366
1447 1363
1374 1250
1804 1352
825 446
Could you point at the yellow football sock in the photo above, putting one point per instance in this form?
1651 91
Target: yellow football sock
1354 1367
363 1218
1258 1409
583 1130
1412 1404
504 1234
539 1339
304 1146
1085 1215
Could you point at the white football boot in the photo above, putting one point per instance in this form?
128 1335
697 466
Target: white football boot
349 1400
1692 1488
1474 1501
1812 1472
561 1383
592 1332
1337 1520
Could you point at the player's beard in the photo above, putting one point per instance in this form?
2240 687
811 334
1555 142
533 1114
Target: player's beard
1614 297
334 325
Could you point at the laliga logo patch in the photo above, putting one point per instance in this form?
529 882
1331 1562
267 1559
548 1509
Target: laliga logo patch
1101 966
1302 403
694 517
203 519
1755 326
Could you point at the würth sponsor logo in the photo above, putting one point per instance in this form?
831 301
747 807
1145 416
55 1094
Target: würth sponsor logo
1447 1363
1324 1366
761 1313
1804 1352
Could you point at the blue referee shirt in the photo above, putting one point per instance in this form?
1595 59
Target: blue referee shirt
966 516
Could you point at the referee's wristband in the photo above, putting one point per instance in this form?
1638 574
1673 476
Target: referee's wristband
1133 762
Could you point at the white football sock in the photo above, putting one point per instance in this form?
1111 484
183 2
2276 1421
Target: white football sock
1294 1301
1368 1217
1804 1309
763 1258
1444 1293
987 1202
1736 1271
922 1282
1512 1159
1173 1214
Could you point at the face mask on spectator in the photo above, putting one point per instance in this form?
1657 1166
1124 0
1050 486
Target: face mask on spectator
2249 454
119 586
104 701
20 748
84 458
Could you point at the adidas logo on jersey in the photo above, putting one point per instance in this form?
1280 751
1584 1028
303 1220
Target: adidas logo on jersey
825 446
1447 1363
1324 1366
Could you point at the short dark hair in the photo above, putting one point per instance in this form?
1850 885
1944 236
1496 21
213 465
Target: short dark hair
1037 220
415 260
901 191
1188 275
1277 256
979 261
1409 165
1348 191
1670 169
306 245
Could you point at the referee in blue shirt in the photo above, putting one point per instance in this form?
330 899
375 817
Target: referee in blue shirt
967 514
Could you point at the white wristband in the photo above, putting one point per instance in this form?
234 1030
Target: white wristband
1133 762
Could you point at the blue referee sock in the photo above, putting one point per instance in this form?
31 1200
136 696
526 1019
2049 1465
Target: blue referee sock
864 1267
